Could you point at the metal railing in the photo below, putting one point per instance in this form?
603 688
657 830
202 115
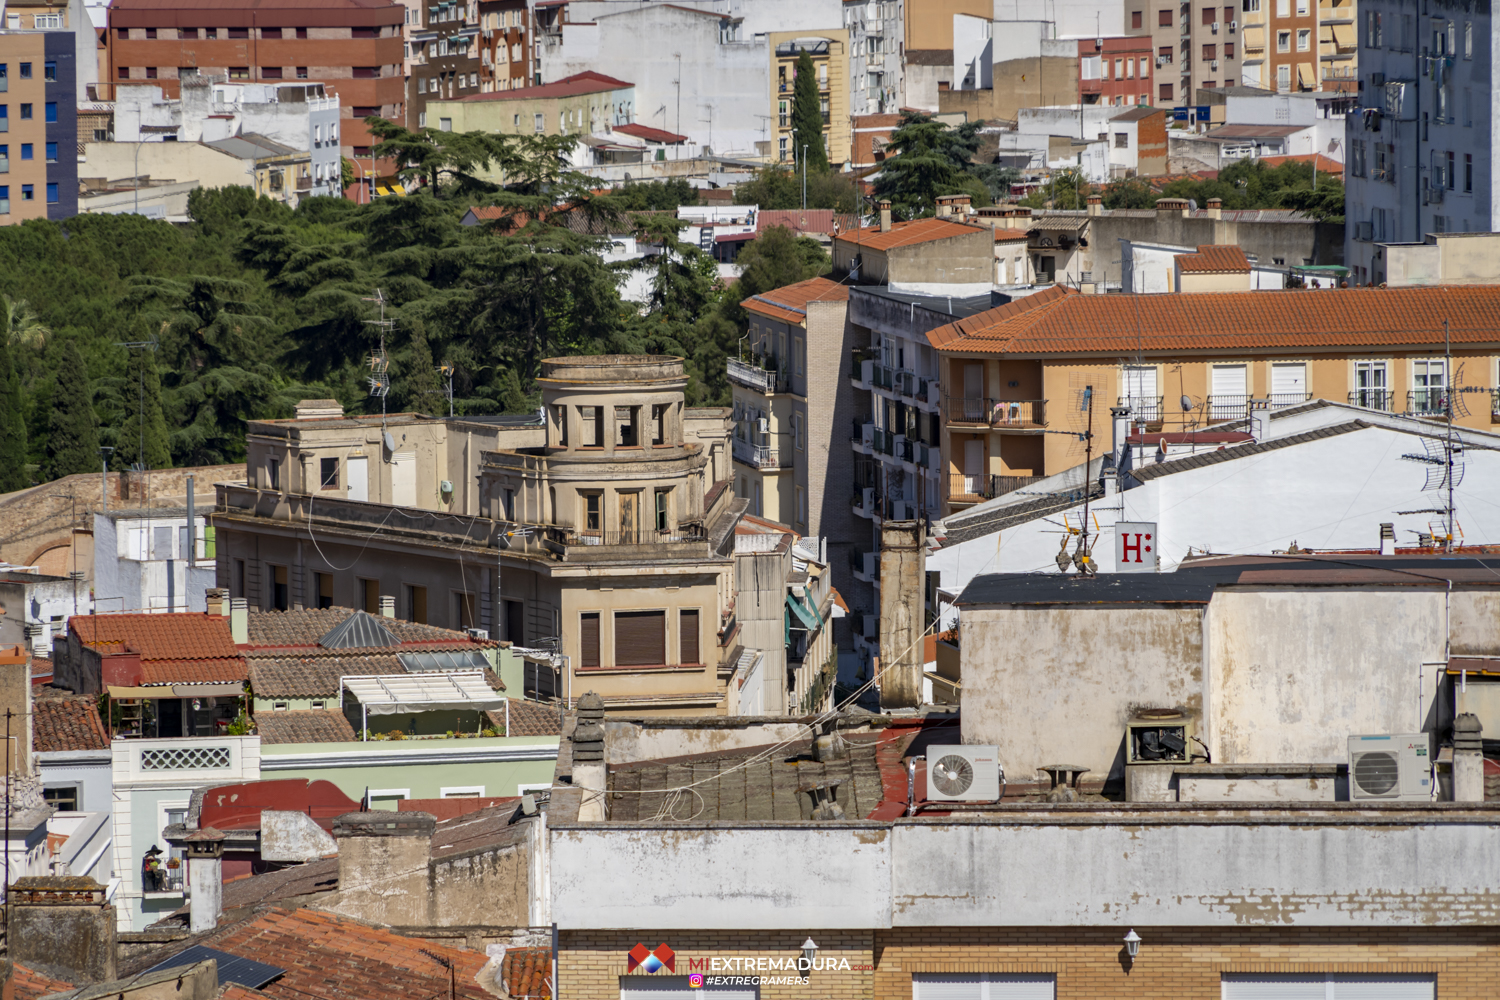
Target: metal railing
1228 407
1430 402
1373 399
972 489
630 536
995 412
755 375
884 442
1281 400
1143 408
760 456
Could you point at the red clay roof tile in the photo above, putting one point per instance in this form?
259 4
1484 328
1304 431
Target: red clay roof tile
789 303
31 985
1214 259
906 233
66 722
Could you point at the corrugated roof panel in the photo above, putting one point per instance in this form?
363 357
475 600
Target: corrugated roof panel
394 694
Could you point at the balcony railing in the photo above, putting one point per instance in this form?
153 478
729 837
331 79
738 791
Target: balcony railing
1146 409
884 442
754 375
1228 407
972 489
1281 400
1000 413
1373 399
759 456
1431 402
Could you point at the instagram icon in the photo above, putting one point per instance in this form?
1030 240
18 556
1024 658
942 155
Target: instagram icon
695 981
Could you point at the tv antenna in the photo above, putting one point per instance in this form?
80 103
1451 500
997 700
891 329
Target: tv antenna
1444 458
380 364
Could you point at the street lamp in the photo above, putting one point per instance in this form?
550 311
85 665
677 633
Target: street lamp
809 951
1132 944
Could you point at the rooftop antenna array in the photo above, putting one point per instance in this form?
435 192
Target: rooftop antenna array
380 364
1444 458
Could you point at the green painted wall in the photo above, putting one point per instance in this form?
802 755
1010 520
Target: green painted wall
423 780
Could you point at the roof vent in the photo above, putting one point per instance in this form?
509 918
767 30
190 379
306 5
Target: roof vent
360 630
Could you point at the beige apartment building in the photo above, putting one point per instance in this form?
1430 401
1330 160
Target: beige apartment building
1026 367
604 534
830 55
1196 45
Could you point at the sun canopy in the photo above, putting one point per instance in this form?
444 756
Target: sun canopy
430 691
234 688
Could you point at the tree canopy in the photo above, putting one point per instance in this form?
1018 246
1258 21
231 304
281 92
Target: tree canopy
807 118
926 159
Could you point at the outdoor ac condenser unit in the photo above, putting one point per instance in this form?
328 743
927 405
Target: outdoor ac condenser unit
963 774
1395 768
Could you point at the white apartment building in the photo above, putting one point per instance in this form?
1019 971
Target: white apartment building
876 80
1420 148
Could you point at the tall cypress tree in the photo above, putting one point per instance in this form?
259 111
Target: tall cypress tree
143 386
12 427
72 428
807 116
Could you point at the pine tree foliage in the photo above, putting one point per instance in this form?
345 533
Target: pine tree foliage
13 474
72 429
807 117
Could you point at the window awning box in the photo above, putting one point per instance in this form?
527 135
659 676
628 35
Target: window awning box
430 691
226 689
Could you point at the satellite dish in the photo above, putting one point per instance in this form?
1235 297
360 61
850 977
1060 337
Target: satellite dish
390 442
1187 406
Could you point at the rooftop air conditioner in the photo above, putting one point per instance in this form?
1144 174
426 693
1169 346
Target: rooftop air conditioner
1159 736
963 774
1395 768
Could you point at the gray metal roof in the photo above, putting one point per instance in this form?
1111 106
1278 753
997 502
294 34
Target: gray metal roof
360 630
1229 454
449 659
251 146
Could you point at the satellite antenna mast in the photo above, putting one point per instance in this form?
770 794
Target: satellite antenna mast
1444 459
380 363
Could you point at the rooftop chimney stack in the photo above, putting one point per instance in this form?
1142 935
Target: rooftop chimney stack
63 927
205 855
1096 204
387 606
1468 759
239 620
588 757
1216 208
885 216
383 872
1119 421
1387 539
1260 419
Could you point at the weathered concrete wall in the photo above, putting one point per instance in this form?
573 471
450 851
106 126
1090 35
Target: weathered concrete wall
1169 865
628 740
73 943
902 603
383 867
1049 685
293 836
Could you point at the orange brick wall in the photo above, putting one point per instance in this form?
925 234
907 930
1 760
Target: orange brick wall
1181 963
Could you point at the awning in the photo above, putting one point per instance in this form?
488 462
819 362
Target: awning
1480 666
1305 74
1253 35
805 613
393 694
1343 35
227 689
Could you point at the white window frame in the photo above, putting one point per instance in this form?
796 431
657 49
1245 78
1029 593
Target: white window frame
386 793
461 792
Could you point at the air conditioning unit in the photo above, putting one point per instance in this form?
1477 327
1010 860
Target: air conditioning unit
963 774
1234 25
1213 64
1214 27
1161 61
1395 768
763 425
1377 80
1159 736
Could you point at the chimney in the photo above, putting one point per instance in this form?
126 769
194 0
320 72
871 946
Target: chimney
1166 207
1260 419
239 620
63 927
903 572
944 207
885 216
1119 421
383 859
1096 204
1216 208
216 600
1111 479
387 606
1387 539
1468 757
589 768
205 858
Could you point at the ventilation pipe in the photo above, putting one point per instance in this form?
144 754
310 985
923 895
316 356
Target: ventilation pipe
885 216
239 620
1387 539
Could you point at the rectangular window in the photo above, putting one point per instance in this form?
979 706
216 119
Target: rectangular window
1210 52
51 152
270 72
1449 174
1164 92
463 610
1283 44
273 473
49 71
280 598
150 33
239 72
52 194
323 582
26 112
239 32
270 33
593 511
640 638
1228 50
1357 158
1304 39
28 192
301 32
1257 985
1135 20
539 123
1164 18
1283 8
27 151
1122 140
687 636
588 639
151 72
1468 172
1210 14
302 72
663 513
801 506
328 473
1302 7
515 622
416 604
64 799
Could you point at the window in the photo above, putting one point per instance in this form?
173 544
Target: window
28 192
25 112
640 638
1448 173
1251 6
1145 67
64 798
239 578
1254 985
302 72
1165 52
797 435
49 71
210 33
366 72
150 33
1210 52
1228 50
280 706
1304 39
1384 169
1283 77
273 473
1135 20
1164 92
273 32
123 73
416 604
1370 385
151 72
982 986
515 622
1468 39
239 72
1468 173
1283 44
280 598
1122 140
1283 8
26 151
801 506
588 639
1210 15
538 123
1302 7
324 588
1209 84
52 194
593 511
301 32
663 517
445 124
687 637
1164 19
328 473
1357 158
239 32
270 72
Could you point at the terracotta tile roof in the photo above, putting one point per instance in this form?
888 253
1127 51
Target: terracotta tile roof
336 958
315 677
789 303
234 991
282 629
1214 259
1324 164
529 718
489 827
650 134
200 671
1061 321
905 234
800 221
1011 235
31 985
527 972
569 86
67 723
311 726
175 648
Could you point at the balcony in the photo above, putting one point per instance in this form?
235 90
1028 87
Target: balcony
884 442
1001 414
963 488
1228 407
1143 409
1431 402
864 565
866 501
1281 400
862 436
197 760
758 456
754 374
631 545
1373 399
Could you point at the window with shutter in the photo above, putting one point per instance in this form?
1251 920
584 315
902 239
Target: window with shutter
640 638
688 627
589 639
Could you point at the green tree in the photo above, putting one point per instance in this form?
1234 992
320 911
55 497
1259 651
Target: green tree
926 159
807 118
144 422
73 429
1128 193
23 328
657 196
773 188
1066 189
421 390
774 259
12 427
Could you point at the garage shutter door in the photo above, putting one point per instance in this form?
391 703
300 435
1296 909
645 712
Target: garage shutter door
589 638
983 986
677 988
1328 987
640 638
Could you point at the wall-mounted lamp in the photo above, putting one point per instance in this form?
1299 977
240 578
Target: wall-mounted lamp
809 952
1132 944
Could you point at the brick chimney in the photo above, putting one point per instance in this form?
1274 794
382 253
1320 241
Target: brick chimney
205 853
62 927
1171 206
1216 208
885 216
1096 204
383 866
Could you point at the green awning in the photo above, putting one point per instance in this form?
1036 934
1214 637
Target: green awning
805 613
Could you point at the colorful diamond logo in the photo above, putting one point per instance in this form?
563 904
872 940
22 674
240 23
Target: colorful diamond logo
651 959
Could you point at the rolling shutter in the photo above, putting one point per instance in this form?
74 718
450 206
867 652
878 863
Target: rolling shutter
688 628
983 986
1288 379
677 988
640 638
589 639
1255 986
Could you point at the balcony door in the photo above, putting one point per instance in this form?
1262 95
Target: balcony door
974 474
1370 384
357 470
630 514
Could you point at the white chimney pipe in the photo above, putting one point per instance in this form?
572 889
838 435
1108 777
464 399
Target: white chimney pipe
1387 539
